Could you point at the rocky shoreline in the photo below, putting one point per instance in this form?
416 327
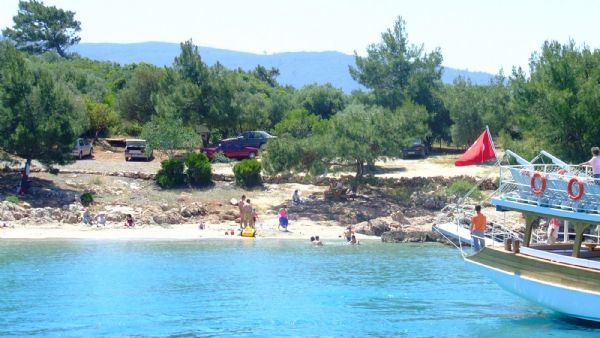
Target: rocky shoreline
396 210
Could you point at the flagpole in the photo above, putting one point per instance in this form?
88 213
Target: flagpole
491 141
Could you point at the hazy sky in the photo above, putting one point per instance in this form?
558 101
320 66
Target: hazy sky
481 35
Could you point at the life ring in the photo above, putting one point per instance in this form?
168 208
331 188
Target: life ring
532 183
579 191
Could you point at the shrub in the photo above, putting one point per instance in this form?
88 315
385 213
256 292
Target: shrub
12 199
247 173
219 157
171 174
86 199
199 170
461 187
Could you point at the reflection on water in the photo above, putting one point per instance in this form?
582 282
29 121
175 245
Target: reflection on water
256 288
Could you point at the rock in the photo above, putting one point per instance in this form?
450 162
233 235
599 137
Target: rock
164 207
70 218
7 216
399 217
401 236
115 216
374 227
169 217
185 212
428 200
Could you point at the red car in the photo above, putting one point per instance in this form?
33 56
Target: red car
232 150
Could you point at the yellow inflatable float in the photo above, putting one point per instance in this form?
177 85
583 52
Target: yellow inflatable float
248 232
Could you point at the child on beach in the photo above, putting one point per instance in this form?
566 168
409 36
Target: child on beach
101 220
283 218
254 217
86 218
129 221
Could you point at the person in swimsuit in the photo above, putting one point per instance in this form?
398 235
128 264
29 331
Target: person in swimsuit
283 218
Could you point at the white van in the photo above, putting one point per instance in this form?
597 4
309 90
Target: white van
82 148
136 148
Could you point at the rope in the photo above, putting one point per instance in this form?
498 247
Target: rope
449 240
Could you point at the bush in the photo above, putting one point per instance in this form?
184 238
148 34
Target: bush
219 157
247 173
199 170
86 199
12 199
171 174
461 187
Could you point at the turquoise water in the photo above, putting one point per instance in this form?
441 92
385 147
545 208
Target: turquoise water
257 288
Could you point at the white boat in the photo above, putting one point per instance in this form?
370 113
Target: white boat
564 277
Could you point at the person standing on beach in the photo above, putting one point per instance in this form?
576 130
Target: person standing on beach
595 163
240 205
283 218
478 223
246 214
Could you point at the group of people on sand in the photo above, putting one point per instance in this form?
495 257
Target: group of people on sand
248 214
100 219
87 219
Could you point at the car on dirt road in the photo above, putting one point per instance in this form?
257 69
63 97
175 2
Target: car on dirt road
231 150
255 139
137 149
417 149
82 148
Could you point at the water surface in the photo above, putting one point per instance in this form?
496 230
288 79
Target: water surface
257 288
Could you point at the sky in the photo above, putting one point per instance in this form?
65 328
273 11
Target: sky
483 35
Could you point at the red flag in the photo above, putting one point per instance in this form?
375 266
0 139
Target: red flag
481 151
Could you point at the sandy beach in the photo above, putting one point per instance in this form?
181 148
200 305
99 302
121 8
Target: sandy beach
302 229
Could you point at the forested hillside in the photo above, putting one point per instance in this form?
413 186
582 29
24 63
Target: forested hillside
296 69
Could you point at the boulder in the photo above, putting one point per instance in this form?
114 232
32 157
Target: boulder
169 217
399 217
428 200
70 217
7 216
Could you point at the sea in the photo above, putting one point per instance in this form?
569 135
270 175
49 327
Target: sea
257 288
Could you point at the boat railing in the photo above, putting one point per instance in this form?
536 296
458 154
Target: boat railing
551 185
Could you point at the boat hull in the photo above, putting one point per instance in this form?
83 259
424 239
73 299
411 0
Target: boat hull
580 300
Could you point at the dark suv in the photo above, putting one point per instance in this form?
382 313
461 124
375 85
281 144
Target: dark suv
417 149
255 139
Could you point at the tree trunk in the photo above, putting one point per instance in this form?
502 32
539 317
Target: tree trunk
360 169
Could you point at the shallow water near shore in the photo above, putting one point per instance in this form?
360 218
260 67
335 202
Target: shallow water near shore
257 288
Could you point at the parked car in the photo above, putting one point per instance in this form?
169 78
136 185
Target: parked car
136 148
255 139
82 148
417 149
232 150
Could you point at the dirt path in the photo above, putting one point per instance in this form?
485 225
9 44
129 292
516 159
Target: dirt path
438 165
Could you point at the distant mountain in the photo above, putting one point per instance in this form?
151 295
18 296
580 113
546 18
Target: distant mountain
296 68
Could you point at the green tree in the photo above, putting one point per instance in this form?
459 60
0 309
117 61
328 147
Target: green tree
39 28
135 100
36 113
101 116
356 136
397 71
321 100
268 76
363 134
169 134
465 103
559 104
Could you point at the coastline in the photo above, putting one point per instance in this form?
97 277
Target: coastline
298 230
